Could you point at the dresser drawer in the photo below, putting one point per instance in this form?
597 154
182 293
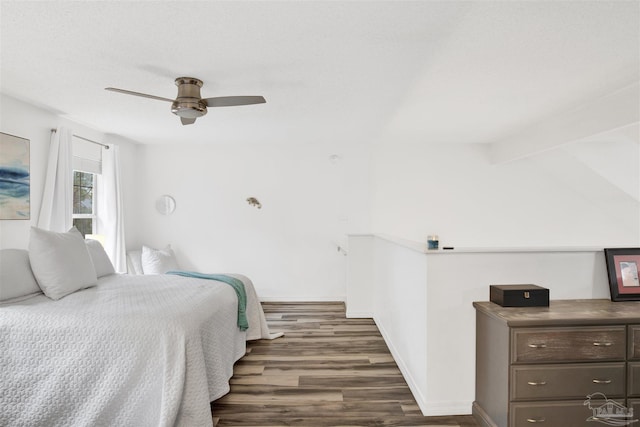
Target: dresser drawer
633 379
635 405
568 344
544 382
634 342
553 414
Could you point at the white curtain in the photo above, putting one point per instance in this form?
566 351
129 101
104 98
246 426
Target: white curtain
57 199
109 209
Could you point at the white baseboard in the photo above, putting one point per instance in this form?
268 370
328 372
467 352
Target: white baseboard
452 407
413 386
359 315
433 408
341 298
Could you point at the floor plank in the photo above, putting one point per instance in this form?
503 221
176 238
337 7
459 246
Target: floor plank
326 371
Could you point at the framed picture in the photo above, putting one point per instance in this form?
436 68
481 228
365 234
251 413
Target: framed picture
15 186
623 266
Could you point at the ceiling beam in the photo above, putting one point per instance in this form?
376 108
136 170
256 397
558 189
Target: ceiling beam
605 114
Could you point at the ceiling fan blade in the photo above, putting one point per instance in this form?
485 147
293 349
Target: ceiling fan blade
230 101
186 121
144 95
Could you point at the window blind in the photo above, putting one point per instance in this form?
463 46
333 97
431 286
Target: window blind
87 156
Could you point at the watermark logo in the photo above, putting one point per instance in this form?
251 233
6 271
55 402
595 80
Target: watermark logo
607 411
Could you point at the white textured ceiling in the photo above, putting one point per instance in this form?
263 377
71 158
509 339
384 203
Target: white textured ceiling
331 71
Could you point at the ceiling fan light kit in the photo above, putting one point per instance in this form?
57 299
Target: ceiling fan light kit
189 104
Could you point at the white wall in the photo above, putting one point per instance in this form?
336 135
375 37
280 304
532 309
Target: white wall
289 247
399 295
422 303
27 121
557 198
34 124
456 280
584 194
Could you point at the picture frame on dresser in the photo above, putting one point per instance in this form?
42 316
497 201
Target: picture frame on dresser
623 268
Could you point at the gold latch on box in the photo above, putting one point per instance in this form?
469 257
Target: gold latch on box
526 294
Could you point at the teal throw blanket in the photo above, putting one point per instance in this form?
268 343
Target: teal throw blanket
237 286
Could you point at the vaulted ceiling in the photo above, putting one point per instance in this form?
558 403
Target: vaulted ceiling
331 71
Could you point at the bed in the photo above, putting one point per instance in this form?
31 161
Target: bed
147 350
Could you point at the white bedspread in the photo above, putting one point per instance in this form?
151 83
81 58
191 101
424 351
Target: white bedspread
133 351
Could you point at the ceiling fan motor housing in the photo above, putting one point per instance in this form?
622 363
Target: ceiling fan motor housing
189 103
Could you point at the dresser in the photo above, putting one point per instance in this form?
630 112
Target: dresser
538 366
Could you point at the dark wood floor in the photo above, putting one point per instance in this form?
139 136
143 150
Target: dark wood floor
326 371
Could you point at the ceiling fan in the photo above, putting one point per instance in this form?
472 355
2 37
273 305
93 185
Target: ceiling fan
189 104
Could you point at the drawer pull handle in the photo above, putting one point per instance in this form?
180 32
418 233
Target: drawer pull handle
535 420
537 383
602 344
538 345
597 381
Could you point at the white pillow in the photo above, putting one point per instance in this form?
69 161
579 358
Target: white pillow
158 261
16 277
60 262
100 259
134 262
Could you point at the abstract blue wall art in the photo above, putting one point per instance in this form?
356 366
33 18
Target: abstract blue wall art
14 177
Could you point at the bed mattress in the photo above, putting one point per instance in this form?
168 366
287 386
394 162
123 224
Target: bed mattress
132 351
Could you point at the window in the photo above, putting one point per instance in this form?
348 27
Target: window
87 164
84 195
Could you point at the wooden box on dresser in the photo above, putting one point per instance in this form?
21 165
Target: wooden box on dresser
536 366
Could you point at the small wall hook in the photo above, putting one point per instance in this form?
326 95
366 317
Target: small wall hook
254 202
